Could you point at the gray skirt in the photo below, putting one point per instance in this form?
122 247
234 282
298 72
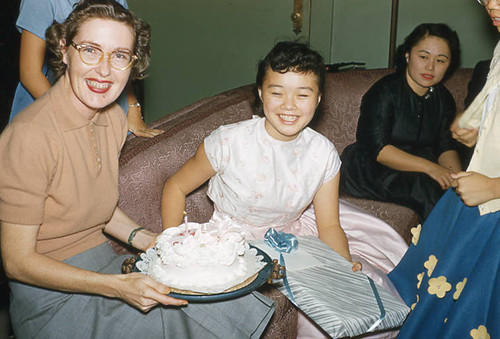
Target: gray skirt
42 313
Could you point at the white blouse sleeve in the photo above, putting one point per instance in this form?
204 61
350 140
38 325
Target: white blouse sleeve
333 165
217 148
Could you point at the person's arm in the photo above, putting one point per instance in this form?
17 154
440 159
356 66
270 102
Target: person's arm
475 188
326 209
450 160
135 120
120 226
31 59
378 112
23 263
190 176
400 160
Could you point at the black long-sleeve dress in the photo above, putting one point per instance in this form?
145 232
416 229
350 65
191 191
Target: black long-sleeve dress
393 114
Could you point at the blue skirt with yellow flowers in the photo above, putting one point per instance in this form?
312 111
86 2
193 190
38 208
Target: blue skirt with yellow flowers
450 275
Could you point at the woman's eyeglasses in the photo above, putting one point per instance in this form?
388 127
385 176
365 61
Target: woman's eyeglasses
485 2
92 55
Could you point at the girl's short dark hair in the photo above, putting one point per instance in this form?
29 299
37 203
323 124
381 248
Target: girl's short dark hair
99 9
290 56
439 30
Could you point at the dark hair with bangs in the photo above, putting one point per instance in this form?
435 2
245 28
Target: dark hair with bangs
99 9
290 56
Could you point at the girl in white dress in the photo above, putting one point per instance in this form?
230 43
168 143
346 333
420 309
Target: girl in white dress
266 172
273 171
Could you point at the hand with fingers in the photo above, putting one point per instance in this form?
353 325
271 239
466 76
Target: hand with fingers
139 129
474 188
144 293
137 125
466 136
440 174
144 132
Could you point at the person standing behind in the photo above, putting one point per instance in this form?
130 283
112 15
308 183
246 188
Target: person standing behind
404 152
35 16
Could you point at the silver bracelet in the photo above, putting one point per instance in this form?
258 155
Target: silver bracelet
135 105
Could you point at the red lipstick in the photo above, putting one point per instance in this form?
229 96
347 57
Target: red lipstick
98 86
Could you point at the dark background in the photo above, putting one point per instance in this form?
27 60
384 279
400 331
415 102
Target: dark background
9 77
9 57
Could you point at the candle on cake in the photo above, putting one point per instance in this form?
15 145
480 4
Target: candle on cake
186 229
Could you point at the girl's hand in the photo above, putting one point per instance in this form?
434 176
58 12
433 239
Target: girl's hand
356 266
474 188
143 292
440 174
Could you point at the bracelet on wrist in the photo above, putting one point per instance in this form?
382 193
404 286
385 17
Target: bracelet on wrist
135 105
133 234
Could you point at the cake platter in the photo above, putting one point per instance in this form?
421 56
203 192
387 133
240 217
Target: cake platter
262 276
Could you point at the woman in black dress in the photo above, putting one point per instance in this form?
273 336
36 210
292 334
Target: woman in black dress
404 152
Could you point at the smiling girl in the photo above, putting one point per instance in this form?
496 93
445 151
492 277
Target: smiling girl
404 152
274 171
265 172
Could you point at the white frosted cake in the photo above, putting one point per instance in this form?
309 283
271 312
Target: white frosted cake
203 258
